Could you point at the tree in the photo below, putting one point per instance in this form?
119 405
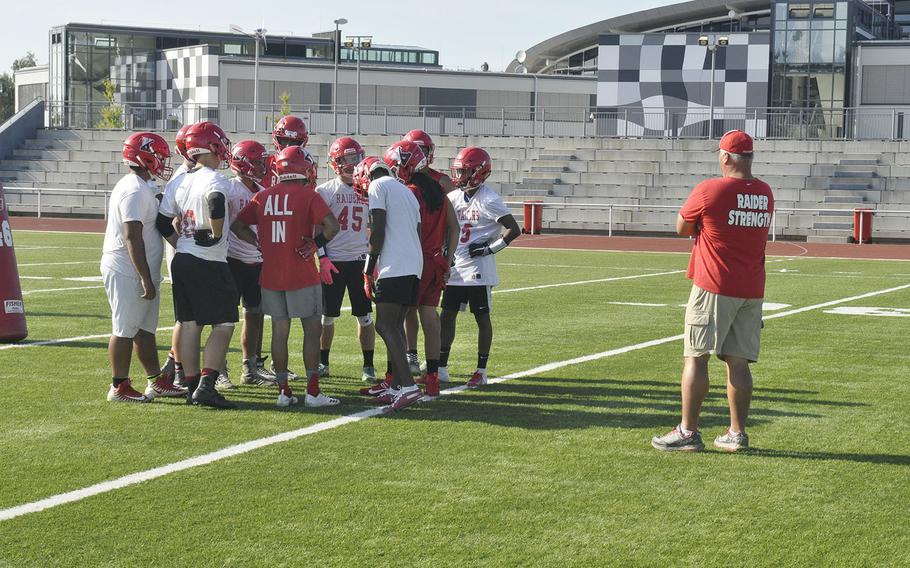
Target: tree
112 114
8 86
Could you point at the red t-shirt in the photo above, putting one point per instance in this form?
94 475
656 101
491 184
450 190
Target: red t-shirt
270 178
432 223
284 214
734 216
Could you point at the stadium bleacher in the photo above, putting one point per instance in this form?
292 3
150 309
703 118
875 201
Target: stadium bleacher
571 175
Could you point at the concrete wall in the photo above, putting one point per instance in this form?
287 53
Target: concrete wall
20 127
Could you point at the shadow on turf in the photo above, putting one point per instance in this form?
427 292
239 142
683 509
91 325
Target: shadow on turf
887 459
62 315
669 383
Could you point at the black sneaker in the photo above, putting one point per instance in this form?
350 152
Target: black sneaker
190 385
206 395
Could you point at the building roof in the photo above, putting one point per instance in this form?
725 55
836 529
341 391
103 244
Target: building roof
653 19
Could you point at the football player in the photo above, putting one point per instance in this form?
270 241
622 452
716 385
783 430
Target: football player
204 291
487 227
423 140
245 260
131 269
394 263
288 215
343 258
288 131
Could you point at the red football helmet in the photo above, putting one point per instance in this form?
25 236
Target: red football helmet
207 137
423 140
344 154
295 163
289 131
149 151
362 174
180 142
248 159
404 158
470 168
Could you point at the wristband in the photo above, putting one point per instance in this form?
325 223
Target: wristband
320 240
370 265
498 245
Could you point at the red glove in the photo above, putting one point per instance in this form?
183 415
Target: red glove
307 249
369 286
326 268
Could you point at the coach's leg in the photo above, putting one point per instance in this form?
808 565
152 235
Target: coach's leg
739 392
694 389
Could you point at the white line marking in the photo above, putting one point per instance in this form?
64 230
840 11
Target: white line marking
60 289
871 311
60 263
66 340
238 449
46 247
580 282
36 278
642 304
580 266
98 278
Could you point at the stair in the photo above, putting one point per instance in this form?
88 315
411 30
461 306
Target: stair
855 183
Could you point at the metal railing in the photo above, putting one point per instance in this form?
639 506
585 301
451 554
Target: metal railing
533 207
863 123
41 192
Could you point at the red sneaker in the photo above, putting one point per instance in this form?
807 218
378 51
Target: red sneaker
163 386
126 393
478 379
406 397
432 382
377 389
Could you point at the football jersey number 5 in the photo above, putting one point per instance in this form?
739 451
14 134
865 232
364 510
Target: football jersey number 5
188 223
466 233
356 218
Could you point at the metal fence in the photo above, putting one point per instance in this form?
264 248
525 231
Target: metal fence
863 123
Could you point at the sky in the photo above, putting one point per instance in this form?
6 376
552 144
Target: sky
466 33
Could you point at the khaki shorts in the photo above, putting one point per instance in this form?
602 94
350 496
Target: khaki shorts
725 326
303 303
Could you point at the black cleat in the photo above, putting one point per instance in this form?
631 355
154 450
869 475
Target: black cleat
206 395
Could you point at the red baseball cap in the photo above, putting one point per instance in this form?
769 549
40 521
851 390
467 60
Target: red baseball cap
736 142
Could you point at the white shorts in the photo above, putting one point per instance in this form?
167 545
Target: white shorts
129 312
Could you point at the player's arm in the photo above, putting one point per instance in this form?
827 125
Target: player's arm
510 233
453 232
377 232
685 228
135 247
242 224
217 206
692 209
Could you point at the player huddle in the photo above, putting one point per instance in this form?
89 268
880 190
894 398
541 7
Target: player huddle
389 231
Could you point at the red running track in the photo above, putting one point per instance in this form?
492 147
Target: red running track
575 242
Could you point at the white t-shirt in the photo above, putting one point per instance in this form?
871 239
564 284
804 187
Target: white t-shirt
352 240
188 202
237 200
478 218
133 199
401 254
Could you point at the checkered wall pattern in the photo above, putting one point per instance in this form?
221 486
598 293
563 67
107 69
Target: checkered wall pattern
650 73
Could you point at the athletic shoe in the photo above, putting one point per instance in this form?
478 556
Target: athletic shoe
223 382
731 442
251 376
180 378
405 397
414 367
676 441
323 371
443 373
477 380
369 375
376 389
206 395
126 393
161 387
292 376
167 371
190 385
263 372
320 400
432 382
387 397
286 397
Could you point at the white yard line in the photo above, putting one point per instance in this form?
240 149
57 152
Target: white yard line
580 282
67 340
60 263
28 292
238 449
580 266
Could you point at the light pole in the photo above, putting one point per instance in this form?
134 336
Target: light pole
712 44
339 22
357 43
257 35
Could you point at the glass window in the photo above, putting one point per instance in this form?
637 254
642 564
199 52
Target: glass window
823 11
412 57
298 50
799 11
372 55
428 58
386 56
233 48
780 13
822 47
797 47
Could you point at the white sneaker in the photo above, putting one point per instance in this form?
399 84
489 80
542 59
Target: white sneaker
223 382
443 374
285 400
320 400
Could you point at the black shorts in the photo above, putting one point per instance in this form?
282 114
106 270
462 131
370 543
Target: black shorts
246 280
350 278
456 298
203 290
397 290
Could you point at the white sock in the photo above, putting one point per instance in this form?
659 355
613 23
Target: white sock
684 431
481 371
